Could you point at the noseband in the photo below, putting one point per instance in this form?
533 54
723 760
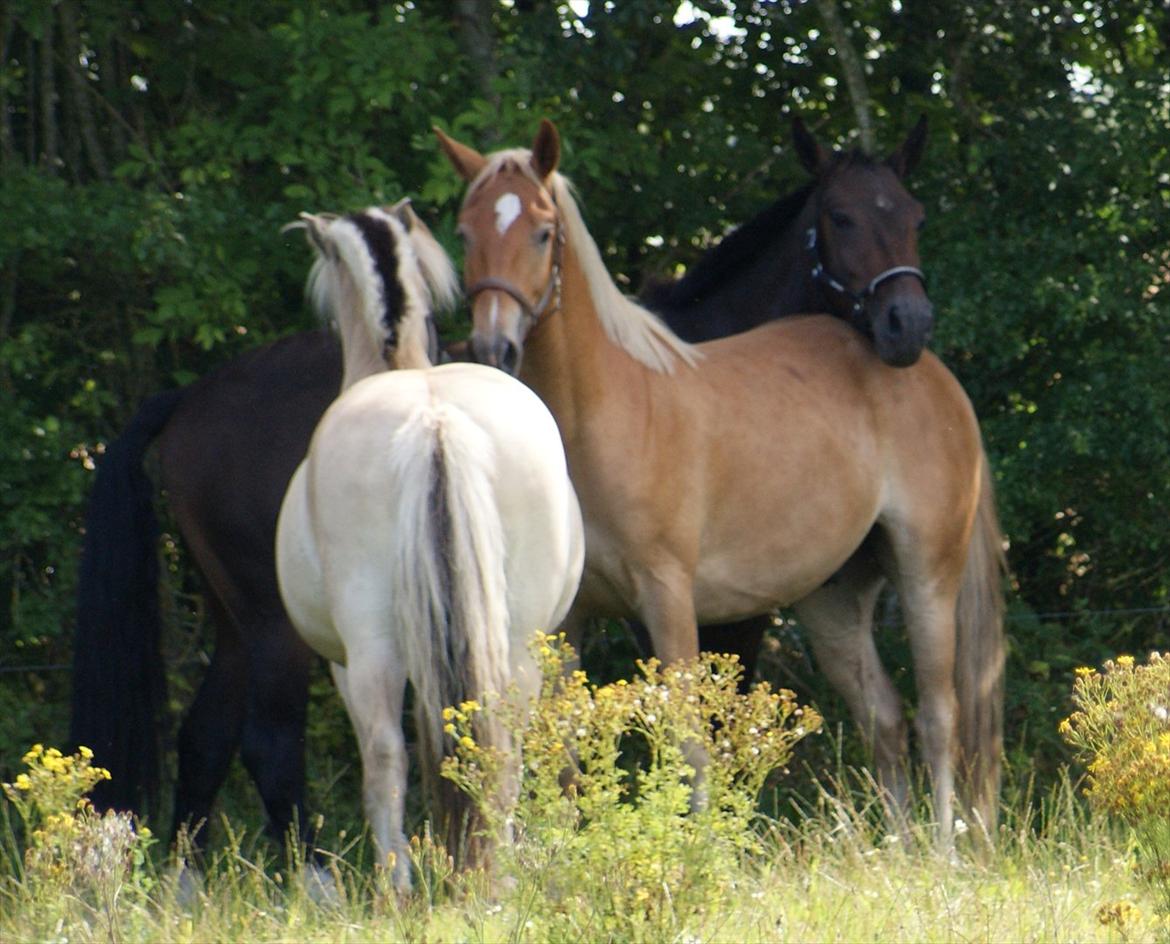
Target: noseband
550 299
821 274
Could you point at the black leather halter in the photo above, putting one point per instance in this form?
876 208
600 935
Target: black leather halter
821 274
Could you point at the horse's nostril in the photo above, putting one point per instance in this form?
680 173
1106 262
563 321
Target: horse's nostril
894 321
509 357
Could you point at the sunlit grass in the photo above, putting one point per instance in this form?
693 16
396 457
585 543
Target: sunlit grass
830 878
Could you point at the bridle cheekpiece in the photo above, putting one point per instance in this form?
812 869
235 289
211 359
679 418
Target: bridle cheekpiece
550 299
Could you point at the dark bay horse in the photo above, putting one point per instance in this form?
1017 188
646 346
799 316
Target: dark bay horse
846 243
787 465
228 445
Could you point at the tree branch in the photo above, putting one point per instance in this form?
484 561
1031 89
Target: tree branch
854 71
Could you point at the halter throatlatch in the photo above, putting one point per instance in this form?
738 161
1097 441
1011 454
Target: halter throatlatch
550 299
821 274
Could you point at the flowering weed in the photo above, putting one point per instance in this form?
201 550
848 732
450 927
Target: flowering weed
630 848
70 851
1121 731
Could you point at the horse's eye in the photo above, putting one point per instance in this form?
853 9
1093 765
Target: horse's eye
543 235
463 233
921 225
840 220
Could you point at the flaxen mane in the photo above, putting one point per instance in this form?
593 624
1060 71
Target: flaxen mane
634 329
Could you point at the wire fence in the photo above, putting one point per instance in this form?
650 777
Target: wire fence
1018 617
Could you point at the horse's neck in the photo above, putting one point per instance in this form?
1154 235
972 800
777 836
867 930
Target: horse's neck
361 358
570 361
777 282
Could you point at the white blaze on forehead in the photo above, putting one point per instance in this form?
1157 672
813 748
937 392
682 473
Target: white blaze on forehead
884 202
507 209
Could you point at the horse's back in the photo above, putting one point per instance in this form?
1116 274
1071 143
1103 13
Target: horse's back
229 452
818 365
511 434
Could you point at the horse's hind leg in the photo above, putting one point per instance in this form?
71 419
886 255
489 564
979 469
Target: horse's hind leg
373 687
839 620
210 732
930 624
273 745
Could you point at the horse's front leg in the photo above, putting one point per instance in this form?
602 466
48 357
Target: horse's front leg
667 606
838 618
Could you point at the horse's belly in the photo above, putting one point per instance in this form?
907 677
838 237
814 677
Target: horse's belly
749 568
729 591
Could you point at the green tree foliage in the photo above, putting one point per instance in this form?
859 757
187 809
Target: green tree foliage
150 152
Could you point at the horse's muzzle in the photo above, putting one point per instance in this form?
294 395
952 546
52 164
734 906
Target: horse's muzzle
902 327
496 350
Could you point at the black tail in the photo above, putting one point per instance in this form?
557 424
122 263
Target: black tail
119 684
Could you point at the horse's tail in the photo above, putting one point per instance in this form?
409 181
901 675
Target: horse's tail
450 590
119 682
979 663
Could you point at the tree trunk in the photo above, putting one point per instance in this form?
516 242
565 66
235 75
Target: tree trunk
80 91
50 155
7 145
112 77
477 40
853 70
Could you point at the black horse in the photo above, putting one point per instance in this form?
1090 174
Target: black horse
845 243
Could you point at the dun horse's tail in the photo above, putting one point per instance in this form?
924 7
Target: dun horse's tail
119 682
450 588
979 661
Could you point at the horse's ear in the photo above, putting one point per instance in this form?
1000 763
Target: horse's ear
314 225
404 212
546 149
810 152
467 161
906 158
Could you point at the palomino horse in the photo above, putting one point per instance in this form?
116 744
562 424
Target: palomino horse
431 529
228 445
784 465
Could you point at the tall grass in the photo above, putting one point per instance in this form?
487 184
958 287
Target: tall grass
832 877
825 871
